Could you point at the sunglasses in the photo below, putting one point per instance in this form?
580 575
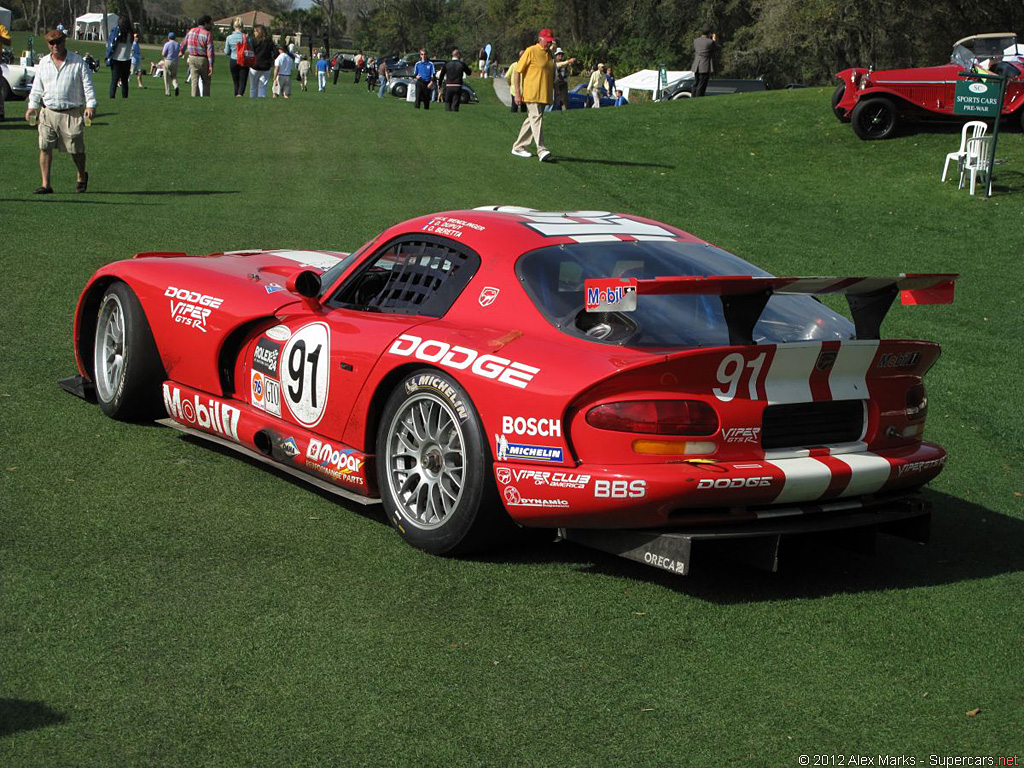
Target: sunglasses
55 42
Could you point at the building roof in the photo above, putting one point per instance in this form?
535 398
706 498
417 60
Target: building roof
249 19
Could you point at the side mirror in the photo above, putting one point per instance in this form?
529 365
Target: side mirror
305 283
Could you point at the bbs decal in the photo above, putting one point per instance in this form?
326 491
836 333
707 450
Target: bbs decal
304 368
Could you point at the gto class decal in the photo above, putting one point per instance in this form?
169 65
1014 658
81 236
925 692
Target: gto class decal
266 393
304 370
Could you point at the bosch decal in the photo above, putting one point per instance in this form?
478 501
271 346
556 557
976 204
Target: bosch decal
191 308
530 426
209 413
741 434
266 393
266 356
514 498
734 482
336 463
507 450
440 386
461 358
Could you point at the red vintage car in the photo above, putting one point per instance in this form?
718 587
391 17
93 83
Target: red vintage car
876 103
582 371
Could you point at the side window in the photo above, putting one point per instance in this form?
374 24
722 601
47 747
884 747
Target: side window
420 276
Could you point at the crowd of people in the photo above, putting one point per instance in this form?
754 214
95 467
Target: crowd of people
63 98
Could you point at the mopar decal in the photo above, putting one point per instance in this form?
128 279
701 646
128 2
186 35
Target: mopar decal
209 413
461 358
336 463
507 450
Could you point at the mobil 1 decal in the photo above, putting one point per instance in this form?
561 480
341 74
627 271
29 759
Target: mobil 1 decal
305 367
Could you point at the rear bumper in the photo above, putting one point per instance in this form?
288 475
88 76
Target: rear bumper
711 495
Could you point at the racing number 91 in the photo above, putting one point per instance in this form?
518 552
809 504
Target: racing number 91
305 373
731 372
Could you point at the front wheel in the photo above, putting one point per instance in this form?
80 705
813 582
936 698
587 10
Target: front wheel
127 368
837 96
433 468
400 90
464 97
875 119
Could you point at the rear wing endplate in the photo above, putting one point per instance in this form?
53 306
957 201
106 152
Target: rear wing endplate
744 297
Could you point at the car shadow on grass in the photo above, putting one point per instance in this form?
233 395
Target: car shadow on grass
626 163
18 715
968 541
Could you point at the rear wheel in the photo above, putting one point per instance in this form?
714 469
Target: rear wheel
875 119
433 468
464 97
127 368
837 96
400 90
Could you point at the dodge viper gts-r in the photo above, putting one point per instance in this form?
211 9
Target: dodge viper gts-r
875 103
576 371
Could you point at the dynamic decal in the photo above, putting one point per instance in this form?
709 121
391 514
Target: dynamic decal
572 480
515 499
507 450
741 434
337 463
190 307
518 425
305 372
280 333
206 413
462 358
437 384
620 489
611 295
487 296
266 393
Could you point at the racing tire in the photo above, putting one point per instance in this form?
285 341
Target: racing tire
837 96
875 119
127 369
400 90
682 95
434 468
464 97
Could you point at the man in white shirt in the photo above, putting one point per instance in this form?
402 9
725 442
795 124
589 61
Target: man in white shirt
283 72
63 87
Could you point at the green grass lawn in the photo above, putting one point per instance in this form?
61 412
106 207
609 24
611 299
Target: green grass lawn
164 603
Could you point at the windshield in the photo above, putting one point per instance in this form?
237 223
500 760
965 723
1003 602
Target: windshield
554 279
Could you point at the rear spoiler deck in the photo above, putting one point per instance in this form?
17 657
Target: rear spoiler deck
744 297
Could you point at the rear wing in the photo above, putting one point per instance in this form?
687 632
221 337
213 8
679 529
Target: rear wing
744 297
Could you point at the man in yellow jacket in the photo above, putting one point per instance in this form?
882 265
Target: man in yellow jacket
533 84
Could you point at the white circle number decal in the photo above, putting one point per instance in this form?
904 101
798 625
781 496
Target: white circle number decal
305 372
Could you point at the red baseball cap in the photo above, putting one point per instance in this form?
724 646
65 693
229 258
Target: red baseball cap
546 34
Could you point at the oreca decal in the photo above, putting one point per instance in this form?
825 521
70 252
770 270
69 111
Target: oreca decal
305 369
460 358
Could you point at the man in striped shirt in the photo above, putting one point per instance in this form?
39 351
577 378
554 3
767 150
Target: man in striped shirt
63 87
198 44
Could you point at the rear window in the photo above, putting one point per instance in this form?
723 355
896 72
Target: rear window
554 278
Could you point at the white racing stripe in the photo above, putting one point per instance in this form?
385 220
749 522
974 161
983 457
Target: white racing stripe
594 238
846 379
806 480
310 258
870 472
789 378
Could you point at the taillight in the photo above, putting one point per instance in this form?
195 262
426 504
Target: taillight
917 403
655 417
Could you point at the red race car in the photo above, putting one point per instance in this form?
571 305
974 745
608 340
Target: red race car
602 374
876 103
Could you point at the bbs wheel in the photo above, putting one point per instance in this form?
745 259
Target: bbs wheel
875 119
433 467
127 369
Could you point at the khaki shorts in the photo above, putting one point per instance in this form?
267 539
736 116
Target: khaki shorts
63 130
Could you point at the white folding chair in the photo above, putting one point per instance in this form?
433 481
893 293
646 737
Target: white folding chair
977 129
977 161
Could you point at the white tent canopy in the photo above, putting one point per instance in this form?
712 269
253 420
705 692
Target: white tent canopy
90 25
5 18
647 80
